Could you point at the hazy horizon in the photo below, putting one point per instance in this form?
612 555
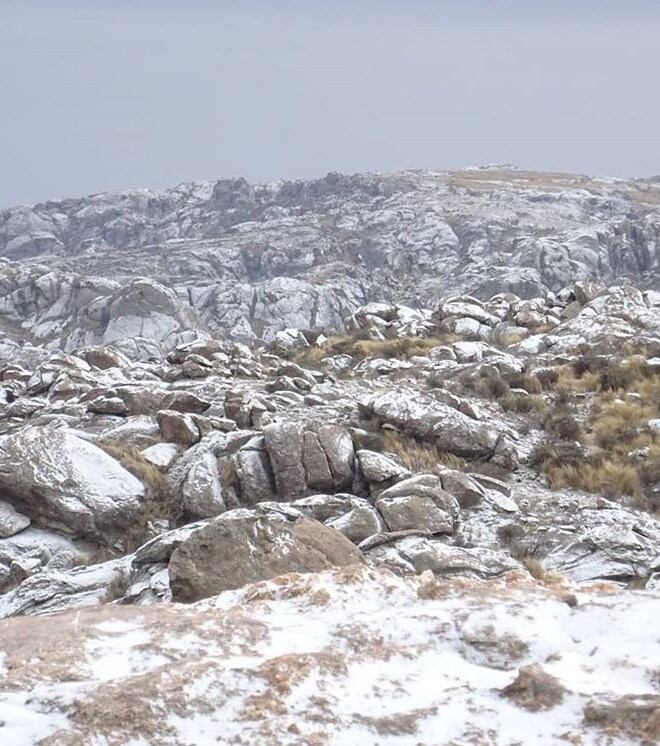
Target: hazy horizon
118 95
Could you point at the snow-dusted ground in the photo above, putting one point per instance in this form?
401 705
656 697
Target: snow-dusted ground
353 656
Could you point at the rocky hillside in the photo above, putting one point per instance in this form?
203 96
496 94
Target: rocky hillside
248 260
417 515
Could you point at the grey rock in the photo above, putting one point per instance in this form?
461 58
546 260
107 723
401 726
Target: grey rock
201 490
179 428
414 512
285 443
416 554
424 485
11 521
61 480
358 523
464 488
378 468
428 420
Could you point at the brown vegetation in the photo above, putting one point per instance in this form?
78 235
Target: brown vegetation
158 503
360 347
621 454
419 457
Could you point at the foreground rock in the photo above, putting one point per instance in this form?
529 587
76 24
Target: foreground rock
261 656
241 547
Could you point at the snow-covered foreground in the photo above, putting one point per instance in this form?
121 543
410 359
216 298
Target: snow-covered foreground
353 656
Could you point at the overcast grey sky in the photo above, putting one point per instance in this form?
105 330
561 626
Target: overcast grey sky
108 94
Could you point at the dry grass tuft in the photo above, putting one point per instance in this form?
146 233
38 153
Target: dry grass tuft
570 383
560 423
523 403
360 348
534 567
158 503
526 381
618 423
621 455
132 460
609 478
419 457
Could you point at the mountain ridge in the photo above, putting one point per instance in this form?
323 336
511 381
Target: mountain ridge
251 260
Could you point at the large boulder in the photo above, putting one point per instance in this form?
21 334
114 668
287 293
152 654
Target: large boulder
307 460
177 427
201 490
424 418
242 547
62 481
419 502
284 443
253 474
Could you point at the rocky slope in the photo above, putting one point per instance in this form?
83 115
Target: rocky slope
334 537
248 260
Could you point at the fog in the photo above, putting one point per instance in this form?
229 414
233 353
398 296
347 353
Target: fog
108 95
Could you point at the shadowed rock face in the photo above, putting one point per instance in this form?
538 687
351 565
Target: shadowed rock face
253 259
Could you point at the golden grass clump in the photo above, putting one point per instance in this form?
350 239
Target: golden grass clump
158 503
523 403
618 423
360 348
570 383
419 457
610 478
133 461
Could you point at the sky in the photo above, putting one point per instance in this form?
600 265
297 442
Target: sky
113 94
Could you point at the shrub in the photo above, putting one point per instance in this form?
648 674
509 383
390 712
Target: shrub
492 387
649 470
509 533
158 503
649 392
117 586
419 457
547 377
522 403
547 455
588 363
610 478
359 346
569 383
534 567
529 383
618 423
132 460
615 377
561 424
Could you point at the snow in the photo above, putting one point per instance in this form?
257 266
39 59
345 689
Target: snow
360 655
161 454
25 723
120 652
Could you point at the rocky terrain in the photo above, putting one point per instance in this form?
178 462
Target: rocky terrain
233 258
369 459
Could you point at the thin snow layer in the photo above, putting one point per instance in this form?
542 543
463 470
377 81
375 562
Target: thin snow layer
352 656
